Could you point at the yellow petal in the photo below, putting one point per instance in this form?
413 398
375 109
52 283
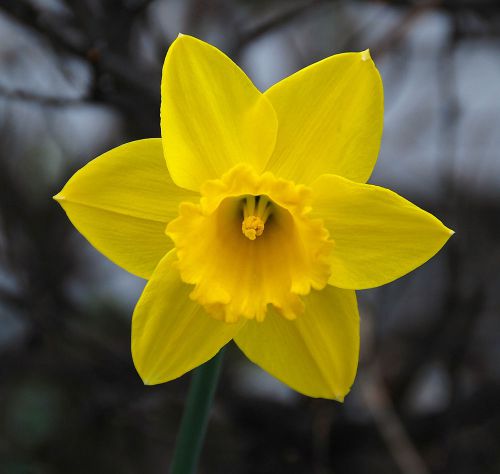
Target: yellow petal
378 236
121 203
171 334
315 354
212 116
330 118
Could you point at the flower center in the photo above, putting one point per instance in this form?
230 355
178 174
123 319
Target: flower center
256 210
238 268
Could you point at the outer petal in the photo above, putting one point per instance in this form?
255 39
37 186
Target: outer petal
330 118
315 354
122 201
171 334
378 235
212 116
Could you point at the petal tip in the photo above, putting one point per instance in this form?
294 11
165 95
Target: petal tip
147 380
365 55
338 395
183 38
179 40
447 231
58 197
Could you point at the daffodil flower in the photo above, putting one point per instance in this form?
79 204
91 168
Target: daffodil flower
251 218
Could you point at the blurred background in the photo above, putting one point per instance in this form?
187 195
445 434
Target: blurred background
78 77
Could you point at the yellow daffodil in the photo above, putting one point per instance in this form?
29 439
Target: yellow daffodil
251 218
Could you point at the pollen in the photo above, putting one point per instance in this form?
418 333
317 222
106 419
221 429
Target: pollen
256 210
252 227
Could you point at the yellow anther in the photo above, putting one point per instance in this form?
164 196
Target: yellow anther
252 227
256 210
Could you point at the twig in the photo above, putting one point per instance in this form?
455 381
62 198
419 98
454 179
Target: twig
394 35
389 425
119 67
385 416
278 20
28 96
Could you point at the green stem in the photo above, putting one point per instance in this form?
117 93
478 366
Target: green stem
195 418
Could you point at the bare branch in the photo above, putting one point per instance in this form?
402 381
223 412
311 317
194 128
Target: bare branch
28 96
280 19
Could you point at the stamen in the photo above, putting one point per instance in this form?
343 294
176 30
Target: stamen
249 207
262 205
255 218
252 227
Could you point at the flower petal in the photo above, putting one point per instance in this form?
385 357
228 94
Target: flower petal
315 354
122 201
378 235
172 334
212 116
330 118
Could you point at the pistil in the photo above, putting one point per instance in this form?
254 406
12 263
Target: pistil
256 211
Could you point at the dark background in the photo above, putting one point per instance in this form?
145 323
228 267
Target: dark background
79 77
